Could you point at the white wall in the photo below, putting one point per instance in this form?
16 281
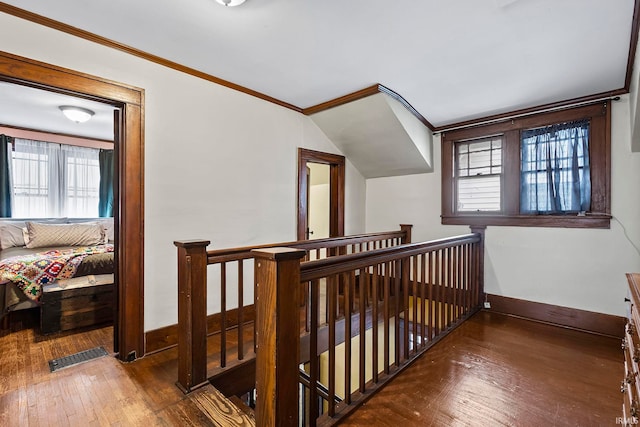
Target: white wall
575 268
238 154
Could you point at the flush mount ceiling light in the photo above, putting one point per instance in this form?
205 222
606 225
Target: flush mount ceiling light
76 114
230 2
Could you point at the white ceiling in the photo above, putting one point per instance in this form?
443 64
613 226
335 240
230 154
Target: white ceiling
451 60
30 108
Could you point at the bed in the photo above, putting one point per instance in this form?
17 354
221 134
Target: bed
62 266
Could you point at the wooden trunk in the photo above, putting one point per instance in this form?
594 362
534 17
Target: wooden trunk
66 309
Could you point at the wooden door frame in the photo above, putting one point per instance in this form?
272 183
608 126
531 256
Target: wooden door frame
336 191
128 182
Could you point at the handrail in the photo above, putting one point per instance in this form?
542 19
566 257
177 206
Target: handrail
316 269
230 254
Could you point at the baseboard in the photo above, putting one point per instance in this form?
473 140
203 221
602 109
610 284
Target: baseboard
588 321
167 337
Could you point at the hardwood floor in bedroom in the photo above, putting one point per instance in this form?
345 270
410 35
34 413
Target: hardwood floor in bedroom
493 370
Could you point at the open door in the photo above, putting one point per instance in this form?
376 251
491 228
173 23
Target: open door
307 161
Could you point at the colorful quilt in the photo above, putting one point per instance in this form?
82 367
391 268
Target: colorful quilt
31 272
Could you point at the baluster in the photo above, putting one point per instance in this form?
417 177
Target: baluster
446 286
375 280
423 307
436 291
415 300
363 324
397 268
332 283
223 314
455 267
240 310
350 279
463 282
387 290
314 368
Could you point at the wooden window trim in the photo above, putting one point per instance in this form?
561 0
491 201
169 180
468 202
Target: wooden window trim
599 115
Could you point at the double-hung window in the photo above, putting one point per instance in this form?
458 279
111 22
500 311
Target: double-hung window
53 180
478 175
550 169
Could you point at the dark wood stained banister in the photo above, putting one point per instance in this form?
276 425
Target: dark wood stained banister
312 270
232 254
385 285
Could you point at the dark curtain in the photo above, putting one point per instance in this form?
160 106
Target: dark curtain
5 178
105 205
555 172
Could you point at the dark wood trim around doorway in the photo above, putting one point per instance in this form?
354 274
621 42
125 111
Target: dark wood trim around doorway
129 331
337 183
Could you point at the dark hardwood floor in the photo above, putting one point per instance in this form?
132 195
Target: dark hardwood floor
493 370
502 371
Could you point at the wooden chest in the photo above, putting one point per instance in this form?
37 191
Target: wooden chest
64 309
630 386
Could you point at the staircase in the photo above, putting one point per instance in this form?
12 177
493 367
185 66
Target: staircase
206 406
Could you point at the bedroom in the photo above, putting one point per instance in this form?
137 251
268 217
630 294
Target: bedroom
58 174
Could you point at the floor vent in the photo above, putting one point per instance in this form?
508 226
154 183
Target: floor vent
75 359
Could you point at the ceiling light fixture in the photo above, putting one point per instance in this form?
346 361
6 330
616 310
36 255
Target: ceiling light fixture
230 2
76 114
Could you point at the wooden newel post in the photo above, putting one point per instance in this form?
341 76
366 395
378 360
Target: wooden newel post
407 233
192 313
480 229
277 335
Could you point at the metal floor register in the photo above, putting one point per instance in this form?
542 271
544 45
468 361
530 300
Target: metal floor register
75 359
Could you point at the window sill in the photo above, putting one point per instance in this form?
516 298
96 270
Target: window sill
563 221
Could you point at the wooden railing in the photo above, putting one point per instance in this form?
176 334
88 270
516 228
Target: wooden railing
384 308
359 316
230 274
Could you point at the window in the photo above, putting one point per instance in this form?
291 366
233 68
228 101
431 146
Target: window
479 175
548 169
555 175
53 180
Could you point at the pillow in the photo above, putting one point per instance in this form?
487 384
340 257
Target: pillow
83 234
12 232
107 224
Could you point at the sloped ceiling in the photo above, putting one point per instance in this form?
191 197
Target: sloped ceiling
379 136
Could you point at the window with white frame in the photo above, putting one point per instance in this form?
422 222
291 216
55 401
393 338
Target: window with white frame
54 180
479 175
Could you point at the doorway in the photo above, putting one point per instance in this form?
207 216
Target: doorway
318 199
128 182
321 188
